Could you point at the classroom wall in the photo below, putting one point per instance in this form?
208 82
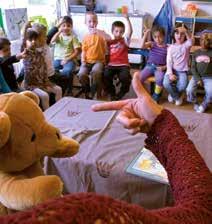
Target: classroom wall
153 6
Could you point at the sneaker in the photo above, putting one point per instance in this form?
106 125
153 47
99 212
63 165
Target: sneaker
200 109
179 101
170 99
196 106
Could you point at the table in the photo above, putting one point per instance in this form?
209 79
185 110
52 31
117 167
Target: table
106 149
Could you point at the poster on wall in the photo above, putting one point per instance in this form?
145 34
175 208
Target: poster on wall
14 19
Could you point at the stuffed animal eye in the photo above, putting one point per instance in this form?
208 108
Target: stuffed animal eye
58 135
33 137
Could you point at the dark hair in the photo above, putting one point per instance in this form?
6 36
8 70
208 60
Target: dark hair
176 30
4 42
30 35
67 19
118 24
159 29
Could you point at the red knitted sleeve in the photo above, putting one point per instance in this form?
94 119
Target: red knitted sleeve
190 180
189 177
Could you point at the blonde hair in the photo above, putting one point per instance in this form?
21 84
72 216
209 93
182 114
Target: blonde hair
91 13
207 38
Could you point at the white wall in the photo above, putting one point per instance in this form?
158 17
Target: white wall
153 6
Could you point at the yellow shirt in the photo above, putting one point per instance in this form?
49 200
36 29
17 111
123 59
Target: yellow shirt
94 48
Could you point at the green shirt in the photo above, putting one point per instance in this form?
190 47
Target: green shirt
65 46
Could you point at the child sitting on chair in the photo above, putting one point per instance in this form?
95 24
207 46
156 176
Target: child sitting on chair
6 64
93 57
66 49
118 63
35 70
201 69
156 63
176 78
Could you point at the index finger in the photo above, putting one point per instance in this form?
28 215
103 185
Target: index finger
114 105
138 87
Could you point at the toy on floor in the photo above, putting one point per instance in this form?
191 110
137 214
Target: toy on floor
25 138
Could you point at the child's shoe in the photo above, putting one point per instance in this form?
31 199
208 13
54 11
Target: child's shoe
179 101
200 109
170 99
156 97
196 106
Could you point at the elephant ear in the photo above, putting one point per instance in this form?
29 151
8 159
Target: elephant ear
31 95
5 126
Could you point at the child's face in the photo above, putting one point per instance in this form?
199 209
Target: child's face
205 41
179 36
118 32
31 44
91 21
5 51
158 37
66 28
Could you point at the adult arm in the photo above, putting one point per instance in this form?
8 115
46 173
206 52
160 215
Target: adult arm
190 179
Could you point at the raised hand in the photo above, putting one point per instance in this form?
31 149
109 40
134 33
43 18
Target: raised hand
138 114
59 23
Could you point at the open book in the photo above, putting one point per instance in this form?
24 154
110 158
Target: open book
147 165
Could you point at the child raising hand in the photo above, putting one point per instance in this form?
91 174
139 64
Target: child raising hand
176 78
156 63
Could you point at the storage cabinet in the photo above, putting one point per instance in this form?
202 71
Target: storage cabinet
105 23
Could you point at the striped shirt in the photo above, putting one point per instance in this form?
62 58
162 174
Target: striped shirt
157 55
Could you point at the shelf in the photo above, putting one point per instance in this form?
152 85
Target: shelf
196 25
197 19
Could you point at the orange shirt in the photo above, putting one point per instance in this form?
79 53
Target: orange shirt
94 48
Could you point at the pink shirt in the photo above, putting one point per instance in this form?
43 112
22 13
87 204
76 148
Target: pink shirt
178 56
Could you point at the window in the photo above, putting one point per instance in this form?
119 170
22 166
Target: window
44 8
